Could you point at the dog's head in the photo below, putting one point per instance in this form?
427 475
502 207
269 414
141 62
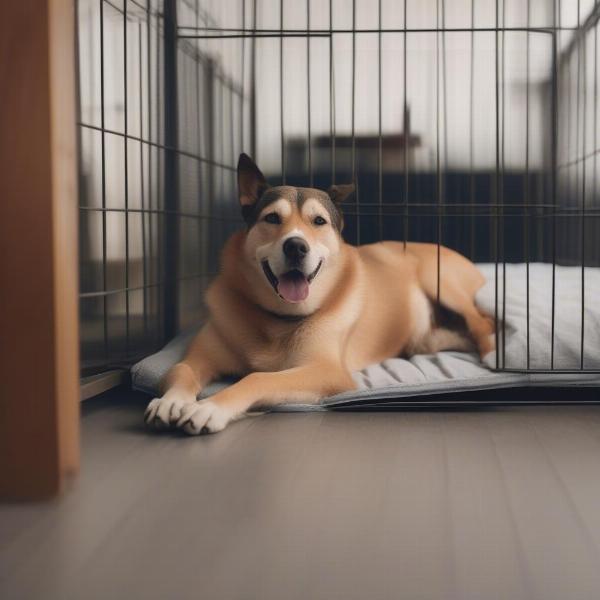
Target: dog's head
293 238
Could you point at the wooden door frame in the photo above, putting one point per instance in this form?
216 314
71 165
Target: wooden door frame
39 329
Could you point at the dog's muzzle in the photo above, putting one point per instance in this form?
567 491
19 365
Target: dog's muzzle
292 286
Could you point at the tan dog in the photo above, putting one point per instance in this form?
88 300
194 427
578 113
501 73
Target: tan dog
295 310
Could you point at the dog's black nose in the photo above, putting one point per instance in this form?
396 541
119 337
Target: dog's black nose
295 249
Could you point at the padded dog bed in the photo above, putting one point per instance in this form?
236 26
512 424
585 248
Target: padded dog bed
402 381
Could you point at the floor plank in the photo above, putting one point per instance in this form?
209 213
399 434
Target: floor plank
462 504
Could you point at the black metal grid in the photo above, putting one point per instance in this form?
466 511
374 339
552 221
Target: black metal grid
543 213
146 180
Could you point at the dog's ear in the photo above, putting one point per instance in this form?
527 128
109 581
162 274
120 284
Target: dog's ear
251 182
339 193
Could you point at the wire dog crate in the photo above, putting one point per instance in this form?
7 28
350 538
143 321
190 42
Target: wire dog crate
463 123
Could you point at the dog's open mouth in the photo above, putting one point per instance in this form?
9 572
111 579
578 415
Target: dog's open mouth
292 286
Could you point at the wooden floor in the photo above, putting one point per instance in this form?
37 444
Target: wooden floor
489 504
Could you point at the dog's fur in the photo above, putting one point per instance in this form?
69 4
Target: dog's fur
293 340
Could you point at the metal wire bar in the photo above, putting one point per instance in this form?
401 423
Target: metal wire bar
158 211
308 100
595 100
353 100
221 105
467 204
126 172
497 222
142 186
243 79
201 226
253 85
581 65
281 99
438 175
103 175
231 130
331 96
501 208
554 158
126 290
160 191
405 119
159 146
379 123
578 160
551 371
471 129
434 214
526 193
150 96
256 33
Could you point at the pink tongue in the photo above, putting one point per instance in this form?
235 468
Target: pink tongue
293 286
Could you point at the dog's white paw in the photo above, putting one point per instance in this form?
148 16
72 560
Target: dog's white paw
204 416
166 411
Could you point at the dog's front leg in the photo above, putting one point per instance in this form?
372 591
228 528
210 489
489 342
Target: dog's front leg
180 388
205 359
300 384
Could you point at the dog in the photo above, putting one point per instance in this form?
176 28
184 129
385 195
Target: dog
295 310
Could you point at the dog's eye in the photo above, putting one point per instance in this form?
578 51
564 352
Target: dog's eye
319 221
273 218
